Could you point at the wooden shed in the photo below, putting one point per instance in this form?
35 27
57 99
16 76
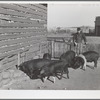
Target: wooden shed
23 29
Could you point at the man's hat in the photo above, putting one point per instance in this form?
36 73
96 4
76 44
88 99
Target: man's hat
78 29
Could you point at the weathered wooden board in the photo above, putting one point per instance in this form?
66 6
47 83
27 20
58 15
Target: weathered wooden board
15 30
19 13
38 8
17 24
22 35
35 9
22 20
41 6
17 46
23 9
15 52
22 40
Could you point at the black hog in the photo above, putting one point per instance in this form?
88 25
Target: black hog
68 57
32 67
91 56
78 62
47 56
53 68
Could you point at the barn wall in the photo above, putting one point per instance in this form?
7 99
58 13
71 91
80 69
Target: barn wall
22 33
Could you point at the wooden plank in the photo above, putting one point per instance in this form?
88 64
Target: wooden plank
17 13
41 6
53 48
17 24
9 48
8 12
22 35
22 20
16 19
30 55
16 41
18 62
38 8
38 11
15 52
8 65
21 9
22 41
17 46
34 47
44 47
37 41
32 8
10 59
18 30
30 43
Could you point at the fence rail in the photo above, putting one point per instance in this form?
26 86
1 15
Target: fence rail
61 44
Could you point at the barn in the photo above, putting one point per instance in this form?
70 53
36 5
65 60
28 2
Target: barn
23 30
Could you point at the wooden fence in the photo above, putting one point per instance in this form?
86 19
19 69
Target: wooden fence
62 43
22 33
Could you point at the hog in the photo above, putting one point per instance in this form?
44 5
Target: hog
32 67
53 68
78 62
91 56
68 57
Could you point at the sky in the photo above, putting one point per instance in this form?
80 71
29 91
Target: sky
72 14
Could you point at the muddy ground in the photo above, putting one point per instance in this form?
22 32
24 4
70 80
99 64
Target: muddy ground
79 80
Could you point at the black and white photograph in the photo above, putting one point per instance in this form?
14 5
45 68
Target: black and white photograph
49 46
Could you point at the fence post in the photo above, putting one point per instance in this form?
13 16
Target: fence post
53 48
24 57
18 59
40 50
70 46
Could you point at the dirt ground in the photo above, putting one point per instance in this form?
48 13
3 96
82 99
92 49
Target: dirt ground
79 80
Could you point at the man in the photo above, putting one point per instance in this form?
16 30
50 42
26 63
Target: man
78 39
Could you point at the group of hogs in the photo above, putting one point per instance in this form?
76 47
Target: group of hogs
45 67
